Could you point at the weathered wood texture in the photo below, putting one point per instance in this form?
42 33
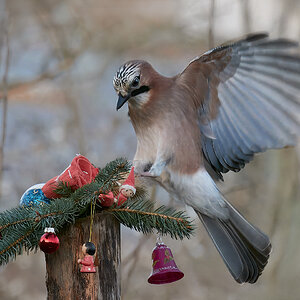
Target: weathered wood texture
64 279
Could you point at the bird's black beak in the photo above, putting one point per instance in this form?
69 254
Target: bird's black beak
122 100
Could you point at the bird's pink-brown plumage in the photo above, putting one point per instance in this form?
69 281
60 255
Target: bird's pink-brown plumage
233 101
170 115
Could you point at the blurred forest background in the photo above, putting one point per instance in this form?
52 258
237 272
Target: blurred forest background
57 62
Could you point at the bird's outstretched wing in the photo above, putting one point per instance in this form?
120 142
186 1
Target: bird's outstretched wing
251 101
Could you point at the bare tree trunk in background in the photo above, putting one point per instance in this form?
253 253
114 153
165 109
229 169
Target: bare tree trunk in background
284 228
287 9
74 124
4 41
64 279
276 179
211 24
246 16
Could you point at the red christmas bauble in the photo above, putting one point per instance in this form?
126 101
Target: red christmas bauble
49 241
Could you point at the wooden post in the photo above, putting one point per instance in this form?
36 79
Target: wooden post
64 279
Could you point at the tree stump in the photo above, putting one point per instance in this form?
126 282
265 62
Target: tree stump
64 279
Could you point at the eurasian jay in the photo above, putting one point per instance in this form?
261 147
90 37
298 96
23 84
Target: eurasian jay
231 102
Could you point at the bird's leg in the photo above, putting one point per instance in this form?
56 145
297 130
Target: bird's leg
156 169
142 167
147 174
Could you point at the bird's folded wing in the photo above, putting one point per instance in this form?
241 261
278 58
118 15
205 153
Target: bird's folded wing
251 101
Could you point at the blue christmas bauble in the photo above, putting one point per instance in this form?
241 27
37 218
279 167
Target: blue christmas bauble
34 196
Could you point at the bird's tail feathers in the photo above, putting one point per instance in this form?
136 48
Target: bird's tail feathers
244 248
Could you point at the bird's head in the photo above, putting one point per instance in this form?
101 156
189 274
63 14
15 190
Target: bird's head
132 83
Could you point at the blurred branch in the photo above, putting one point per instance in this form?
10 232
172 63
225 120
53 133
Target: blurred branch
4 92
63 66
136 253
237 188
56 33
134 256
211 21
144 237
70 92
284 220
58 42
186 252
56 36
64 50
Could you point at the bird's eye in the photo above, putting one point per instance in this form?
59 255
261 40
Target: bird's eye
135 82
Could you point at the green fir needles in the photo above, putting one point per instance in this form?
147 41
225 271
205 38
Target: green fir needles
22 227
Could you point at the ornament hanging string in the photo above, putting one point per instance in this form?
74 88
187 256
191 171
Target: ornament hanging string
159 239
93 207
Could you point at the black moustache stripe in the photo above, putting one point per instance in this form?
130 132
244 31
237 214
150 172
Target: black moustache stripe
140 90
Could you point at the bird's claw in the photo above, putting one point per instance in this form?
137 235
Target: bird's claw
147 174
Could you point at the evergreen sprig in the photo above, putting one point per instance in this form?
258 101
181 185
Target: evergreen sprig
22 227
141 216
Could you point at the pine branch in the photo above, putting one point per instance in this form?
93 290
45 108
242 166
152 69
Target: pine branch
63 189
112 172
15 243
22 227
142 216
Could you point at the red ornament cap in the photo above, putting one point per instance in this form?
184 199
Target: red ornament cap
49 241
129 182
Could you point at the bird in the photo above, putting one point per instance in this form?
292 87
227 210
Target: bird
231 102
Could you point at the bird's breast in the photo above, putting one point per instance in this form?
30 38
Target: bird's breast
148 141
167 129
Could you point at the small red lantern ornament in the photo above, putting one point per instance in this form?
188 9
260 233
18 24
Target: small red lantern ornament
164 269
49 241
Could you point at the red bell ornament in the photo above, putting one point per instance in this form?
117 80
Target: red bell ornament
49 241
164 269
